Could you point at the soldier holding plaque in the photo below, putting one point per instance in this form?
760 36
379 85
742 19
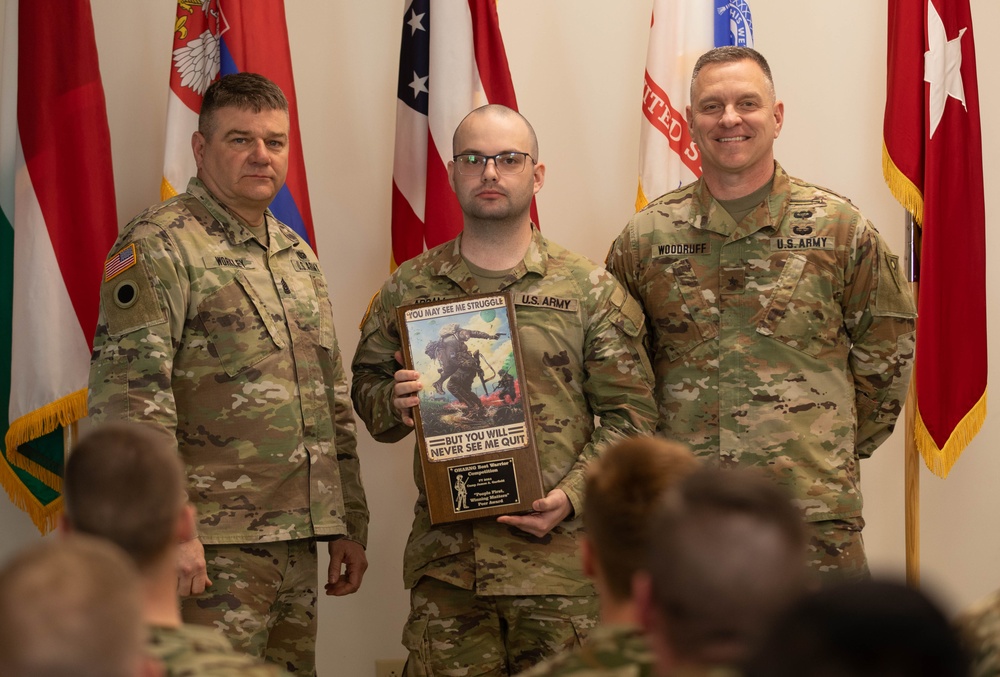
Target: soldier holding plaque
501 593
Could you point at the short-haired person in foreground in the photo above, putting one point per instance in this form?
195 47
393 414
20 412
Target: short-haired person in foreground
623 487
124 483
71 607
501 594
781 326
726 557
862 629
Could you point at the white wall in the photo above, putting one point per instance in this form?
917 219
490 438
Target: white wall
577 68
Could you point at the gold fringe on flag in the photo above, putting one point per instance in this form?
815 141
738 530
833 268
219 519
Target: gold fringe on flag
902 188
45 517
940 461
63 412
640 198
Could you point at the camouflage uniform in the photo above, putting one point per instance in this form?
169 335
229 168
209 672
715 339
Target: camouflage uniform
979 628
227 344
581 341
191 650
783 342
610 651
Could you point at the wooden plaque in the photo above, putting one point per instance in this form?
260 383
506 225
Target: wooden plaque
473 425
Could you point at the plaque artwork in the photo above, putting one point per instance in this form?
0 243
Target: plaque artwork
473 425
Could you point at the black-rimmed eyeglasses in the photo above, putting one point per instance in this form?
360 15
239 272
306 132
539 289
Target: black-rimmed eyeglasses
474 164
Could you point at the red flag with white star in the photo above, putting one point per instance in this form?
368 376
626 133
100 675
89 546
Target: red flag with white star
932 161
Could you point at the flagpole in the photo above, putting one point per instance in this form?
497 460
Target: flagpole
911 460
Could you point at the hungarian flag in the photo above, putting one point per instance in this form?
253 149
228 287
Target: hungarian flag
681 31
219 37
932 161
451 61
58 194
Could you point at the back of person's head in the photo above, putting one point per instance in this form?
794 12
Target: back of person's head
726 556
862 629
623 487
124 482
70 607
245 91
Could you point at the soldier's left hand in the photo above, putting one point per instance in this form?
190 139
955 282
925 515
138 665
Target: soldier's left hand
352 556
549 512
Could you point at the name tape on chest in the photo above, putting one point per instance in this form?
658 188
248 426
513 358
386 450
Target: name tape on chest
219 261
792 243
682 249
567 305
305 266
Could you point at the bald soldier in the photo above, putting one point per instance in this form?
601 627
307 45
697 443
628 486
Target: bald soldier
781 328
494 596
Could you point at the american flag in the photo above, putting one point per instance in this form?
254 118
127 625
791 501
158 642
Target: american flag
444 73
121 261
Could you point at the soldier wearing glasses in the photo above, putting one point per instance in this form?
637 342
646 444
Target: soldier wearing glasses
503 593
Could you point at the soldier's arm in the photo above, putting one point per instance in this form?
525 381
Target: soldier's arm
880 319
374 368
622 262
142 316
346 435
618 386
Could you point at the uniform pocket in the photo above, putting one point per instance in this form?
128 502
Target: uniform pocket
678 312
239 332
802 312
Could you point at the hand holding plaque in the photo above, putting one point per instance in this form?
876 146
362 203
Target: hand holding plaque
473 424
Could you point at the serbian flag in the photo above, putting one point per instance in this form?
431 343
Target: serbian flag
219 37
932 159
451 61
58 194
681 31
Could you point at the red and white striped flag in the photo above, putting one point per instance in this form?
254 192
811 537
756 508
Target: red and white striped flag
64 218
218 37
451 61
933 162
681 31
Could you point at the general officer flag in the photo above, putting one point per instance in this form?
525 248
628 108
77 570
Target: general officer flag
219 37
58 193
932 161
451 60
681 31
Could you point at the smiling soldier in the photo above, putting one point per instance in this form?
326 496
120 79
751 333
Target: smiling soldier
780 325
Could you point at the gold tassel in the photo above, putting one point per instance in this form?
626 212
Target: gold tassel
940 461
45 517
902 188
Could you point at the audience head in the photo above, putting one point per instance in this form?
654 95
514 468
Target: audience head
623 487
862 629
124 483
70 607
726 555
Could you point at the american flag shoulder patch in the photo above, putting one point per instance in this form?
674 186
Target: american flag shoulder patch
120 262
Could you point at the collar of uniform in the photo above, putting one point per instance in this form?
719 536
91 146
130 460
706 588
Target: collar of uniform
447 261
237 232
707 214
